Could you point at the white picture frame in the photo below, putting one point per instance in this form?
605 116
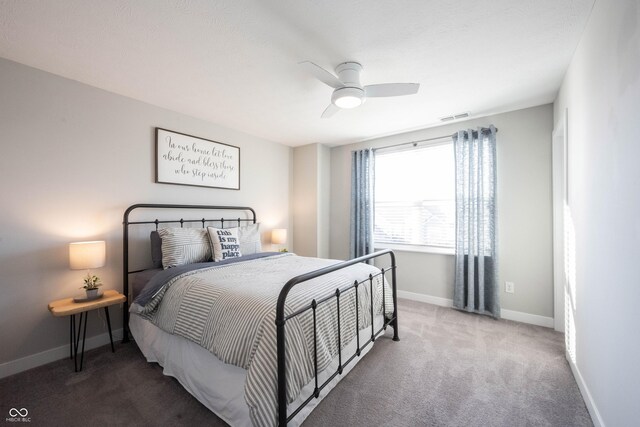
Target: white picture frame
183 159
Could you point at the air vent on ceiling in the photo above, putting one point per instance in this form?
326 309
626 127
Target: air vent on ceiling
454 117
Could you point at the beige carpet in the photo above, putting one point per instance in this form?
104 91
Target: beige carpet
449 369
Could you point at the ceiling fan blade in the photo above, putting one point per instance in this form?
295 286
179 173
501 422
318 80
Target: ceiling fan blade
322 74
391 89
330 111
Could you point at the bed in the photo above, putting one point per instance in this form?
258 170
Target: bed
259 339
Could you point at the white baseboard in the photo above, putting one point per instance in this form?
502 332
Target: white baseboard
51 355
532 319
429 299
516 316
586 395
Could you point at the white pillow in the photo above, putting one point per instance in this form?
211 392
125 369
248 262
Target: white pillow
184 246
250 239
225 243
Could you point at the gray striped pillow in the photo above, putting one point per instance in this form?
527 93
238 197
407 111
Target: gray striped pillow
184 246
250 239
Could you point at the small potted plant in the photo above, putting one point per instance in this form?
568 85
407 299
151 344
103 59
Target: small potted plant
91 285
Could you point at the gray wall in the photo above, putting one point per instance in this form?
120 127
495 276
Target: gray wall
73 158
324 200
524 212
305 200
311 200
601 92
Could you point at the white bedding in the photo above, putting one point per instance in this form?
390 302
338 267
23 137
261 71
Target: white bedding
220 386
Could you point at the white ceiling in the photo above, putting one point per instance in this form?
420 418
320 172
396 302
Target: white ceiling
235 62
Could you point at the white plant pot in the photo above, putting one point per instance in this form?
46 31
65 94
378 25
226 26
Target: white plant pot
92 293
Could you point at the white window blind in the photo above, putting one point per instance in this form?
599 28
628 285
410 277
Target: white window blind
415 196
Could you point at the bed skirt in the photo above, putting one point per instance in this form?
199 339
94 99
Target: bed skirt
220 386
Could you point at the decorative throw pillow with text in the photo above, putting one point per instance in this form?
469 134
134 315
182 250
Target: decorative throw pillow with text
225 243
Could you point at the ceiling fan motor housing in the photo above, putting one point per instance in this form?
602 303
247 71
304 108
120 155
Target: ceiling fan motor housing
351 95
349 74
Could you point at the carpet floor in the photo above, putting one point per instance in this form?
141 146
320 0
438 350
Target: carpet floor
449 369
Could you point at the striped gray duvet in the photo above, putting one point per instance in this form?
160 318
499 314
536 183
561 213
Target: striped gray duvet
230 311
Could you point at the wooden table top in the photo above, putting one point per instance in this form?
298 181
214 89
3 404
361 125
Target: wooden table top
67 307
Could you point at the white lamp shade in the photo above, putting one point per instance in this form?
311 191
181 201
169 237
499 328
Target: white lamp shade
85 255
278 236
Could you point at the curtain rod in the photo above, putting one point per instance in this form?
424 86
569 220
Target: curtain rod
423 140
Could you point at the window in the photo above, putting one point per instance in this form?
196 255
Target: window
415 197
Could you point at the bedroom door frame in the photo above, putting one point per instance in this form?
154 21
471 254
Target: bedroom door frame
559 156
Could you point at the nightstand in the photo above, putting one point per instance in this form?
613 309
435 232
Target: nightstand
67 307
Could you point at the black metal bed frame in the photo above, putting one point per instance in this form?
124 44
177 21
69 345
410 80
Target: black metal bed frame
281 316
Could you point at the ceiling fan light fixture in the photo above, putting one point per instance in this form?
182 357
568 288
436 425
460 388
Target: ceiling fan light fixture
348 97
348 102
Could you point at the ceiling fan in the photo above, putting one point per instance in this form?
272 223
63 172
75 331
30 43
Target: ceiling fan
348 92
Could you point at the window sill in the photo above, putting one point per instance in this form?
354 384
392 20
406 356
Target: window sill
417 248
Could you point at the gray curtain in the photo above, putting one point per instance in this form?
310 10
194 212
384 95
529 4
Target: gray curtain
361 233
475 287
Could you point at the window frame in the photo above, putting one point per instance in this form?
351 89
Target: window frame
405 247
408 247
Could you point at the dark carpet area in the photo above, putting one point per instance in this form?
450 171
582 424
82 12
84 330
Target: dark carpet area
449 369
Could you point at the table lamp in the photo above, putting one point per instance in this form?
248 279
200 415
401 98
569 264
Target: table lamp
85 256
279 237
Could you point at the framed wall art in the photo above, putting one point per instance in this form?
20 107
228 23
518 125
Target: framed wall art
188 160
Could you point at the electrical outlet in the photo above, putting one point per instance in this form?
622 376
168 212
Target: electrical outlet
509 287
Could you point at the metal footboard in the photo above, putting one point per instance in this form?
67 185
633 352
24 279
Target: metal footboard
281 319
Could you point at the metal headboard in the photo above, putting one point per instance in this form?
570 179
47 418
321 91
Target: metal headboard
125 238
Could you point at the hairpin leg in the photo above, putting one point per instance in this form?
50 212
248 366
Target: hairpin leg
106 310
71 336
84 336
76 341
